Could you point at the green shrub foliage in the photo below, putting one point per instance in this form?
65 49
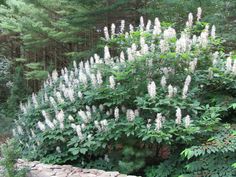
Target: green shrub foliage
165 93
9 154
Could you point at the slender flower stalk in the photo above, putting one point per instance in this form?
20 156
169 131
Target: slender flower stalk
175 90
99 78
170 91
79 132
87 67
83 78
106 33
130 55
59 97
113 29
104 124
55 122
89 115
41 126
163 82
75 65
148 26
88 108
80 94
152 89
83 116
107 55
203 38
199 13
169 33
53 102
93 80
71 93
194 40
122 26
213 32
187 121
130 115
20 130
97 58
70 118
234 68
134 47
192 65
94 109
215 57
112 82
141 25
131 28
32 133
178 116
164 46
97 125
60 118
73 126
101 107
158 121
47 120
49 123
122 57
92 61
157 27
116 113
144 49
228 64
58 149
186 87
183 44
149 124
189 23
54 75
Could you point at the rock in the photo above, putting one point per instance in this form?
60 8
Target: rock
110 174
44 173
75 175
61 174
66 166
37 169
94 171
56 167
120 175
88 175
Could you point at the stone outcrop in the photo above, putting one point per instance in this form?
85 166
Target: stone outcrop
37 169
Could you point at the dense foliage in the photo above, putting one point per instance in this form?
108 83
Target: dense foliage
9 154
165 103
40 35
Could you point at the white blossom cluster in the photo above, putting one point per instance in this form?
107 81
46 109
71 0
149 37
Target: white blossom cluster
178 120
86 74
152 89
230 65
186 86
159 121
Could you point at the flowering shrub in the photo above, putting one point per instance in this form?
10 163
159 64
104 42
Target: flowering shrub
164 93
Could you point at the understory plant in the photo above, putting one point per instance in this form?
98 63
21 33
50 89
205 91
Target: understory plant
9 155
155 100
